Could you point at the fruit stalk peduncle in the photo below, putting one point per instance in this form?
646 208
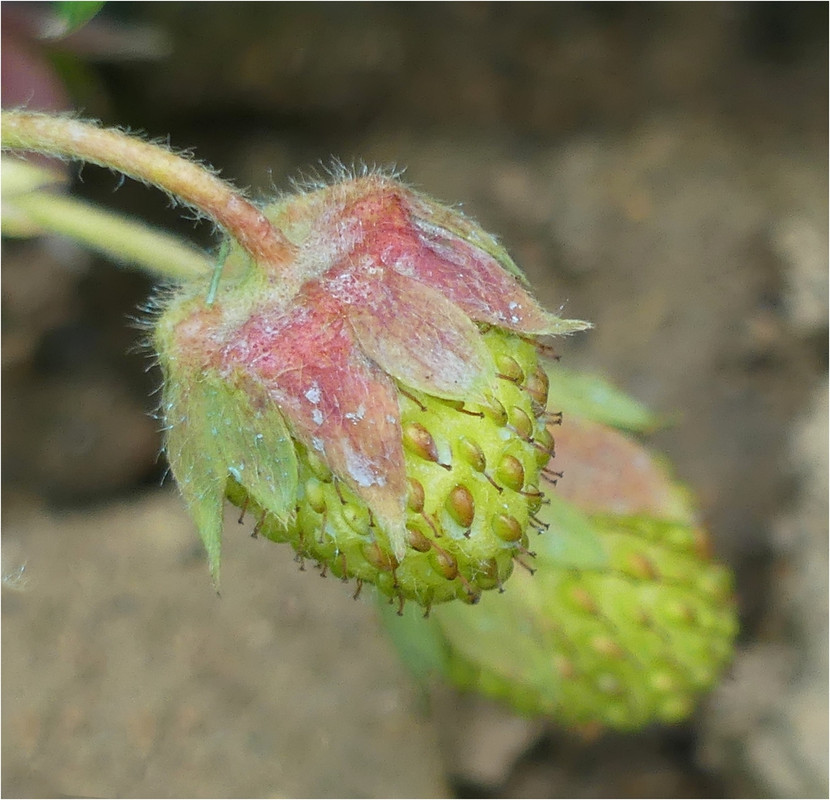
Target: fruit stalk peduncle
186 181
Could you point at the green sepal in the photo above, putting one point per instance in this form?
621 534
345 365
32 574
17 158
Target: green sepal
255 445
196 463
504 636
217 430
572 539
593 398
75 14
419 643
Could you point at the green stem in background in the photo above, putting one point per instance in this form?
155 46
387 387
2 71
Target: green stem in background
117 237
186 181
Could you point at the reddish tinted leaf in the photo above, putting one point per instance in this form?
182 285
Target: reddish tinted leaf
421 338
475 281
459 268
336 402
607 472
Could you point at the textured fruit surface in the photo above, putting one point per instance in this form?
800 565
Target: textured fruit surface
375 400
625 642
473 474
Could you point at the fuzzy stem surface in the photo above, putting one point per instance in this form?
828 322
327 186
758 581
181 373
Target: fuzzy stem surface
183 179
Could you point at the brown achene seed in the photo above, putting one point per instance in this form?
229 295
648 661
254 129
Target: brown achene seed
418 440
472 454
445 563
509 369
510 472
522 423
507 528
378 558
416 540
537 386
461 506
416 497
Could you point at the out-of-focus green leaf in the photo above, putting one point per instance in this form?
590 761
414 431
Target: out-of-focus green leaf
74 15
419 642
571 540
594 398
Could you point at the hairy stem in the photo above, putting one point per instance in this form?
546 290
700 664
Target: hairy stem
185 180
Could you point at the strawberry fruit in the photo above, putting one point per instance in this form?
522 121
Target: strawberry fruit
378 404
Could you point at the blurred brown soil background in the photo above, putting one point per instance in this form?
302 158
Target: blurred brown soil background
659 169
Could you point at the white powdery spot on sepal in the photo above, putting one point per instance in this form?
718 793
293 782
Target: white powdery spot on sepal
314 395
356 416
361 469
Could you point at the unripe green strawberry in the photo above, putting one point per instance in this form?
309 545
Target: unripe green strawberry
472 485
472 474
621 643
625 620
378 403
